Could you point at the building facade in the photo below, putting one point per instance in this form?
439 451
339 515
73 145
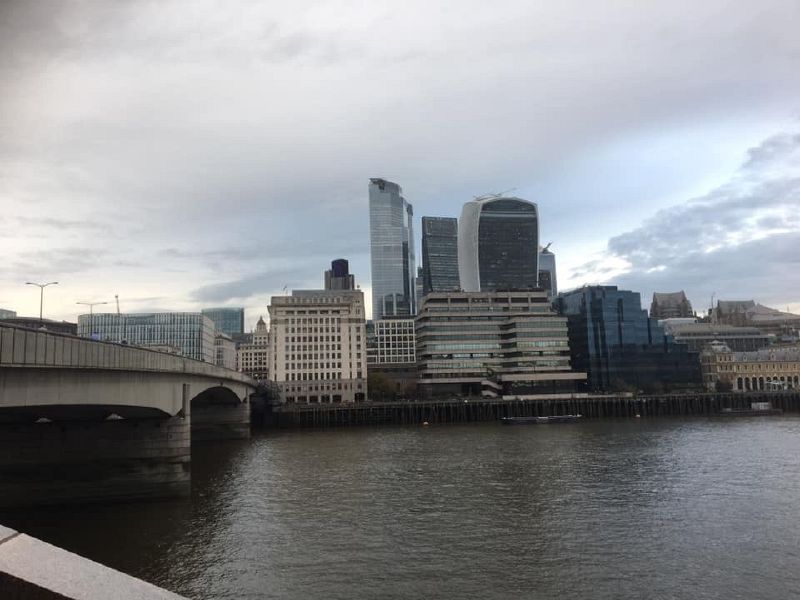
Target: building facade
225 351
768 369
697 336
547 272
391 237
440 255
191 333
338 277
229 321
253 354
391 341
318 346
672 305
7 314
498 245
619 346
493 344
748 313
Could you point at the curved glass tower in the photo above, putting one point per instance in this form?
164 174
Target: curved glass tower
391 239
498 244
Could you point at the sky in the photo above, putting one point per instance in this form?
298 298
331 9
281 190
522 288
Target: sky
189 154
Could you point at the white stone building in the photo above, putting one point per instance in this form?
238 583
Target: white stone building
253 356
318 346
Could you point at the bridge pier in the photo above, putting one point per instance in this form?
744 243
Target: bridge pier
220 421
84 461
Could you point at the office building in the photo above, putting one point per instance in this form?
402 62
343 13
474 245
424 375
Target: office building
768 369
440 255
7 314
253 353
192 334
547 272
318 346
493 344
619 346
696 336
391 341
224 351
338 277
229 321
498 245
391 238
671 305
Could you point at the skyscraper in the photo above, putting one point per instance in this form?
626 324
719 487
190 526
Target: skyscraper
498 244
391 238
338 277
440 255
547 272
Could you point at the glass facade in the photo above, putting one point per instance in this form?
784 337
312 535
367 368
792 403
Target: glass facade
189 334
229 321
391 250
618 345
338 277
498 245
440 255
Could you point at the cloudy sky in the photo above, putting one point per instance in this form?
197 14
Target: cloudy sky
198 153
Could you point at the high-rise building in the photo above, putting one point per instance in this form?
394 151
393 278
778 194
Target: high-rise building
440 255
338 277
229 321
671 305
498 245
191 334
547 272
391 238
318 346
7 314
493 344
619 346
253 355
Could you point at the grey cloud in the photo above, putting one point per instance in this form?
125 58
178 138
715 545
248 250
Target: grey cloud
263 283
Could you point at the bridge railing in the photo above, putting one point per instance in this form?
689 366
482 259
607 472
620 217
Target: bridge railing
21 347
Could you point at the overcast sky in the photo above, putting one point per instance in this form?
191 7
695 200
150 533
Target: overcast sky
191 154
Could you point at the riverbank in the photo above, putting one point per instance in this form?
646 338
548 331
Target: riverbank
470 410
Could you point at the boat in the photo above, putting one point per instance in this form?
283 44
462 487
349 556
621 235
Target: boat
540 420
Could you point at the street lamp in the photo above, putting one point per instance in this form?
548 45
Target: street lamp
91 306
41 287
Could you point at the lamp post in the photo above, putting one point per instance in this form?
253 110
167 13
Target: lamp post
41 287
91 306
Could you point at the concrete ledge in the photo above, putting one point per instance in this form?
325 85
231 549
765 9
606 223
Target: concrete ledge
31 568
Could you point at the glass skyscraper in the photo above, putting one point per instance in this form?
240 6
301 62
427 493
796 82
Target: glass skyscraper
547 272
440 255
391 238
226 320
498 245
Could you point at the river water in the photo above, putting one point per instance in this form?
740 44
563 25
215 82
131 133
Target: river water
692 509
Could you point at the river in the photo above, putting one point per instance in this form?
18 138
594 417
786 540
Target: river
669 508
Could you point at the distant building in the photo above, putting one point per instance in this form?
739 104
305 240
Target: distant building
697 336
391 341
391 238
670 305
440 255
418 288
767 369
48 324
498 245
225 351
783 325
192 333
338 277
614 341
318 346
253 356
229 321
493 344
547 272
7 314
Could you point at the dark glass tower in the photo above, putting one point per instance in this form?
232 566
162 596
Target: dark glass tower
391 238
498 245
440 255
338 277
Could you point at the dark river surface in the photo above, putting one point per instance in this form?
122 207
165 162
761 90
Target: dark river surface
665 508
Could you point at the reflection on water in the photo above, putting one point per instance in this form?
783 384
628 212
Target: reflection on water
605 509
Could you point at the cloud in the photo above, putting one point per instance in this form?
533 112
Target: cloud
740 239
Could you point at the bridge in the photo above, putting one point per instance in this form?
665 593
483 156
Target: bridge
82 419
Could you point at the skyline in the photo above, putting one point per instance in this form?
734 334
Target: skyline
211 161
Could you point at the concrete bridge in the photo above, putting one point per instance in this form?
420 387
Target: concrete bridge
83 420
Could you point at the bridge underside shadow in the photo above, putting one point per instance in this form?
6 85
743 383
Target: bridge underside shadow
217 414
